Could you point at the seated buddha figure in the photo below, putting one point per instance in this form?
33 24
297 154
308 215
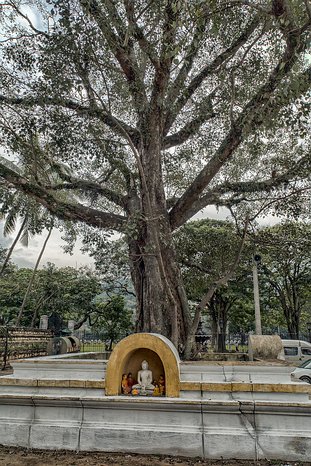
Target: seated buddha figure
144 380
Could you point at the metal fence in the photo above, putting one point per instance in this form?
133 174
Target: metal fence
237 342
21 343
18 343
91 341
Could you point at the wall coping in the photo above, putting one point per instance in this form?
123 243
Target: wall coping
184 386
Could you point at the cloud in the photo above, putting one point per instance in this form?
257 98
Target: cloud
211 212
5 242
23 263
27 256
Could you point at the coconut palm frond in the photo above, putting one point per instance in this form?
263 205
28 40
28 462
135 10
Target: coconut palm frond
10 164
10 221
26 235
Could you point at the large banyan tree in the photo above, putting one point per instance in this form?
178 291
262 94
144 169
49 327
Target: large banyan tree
134 115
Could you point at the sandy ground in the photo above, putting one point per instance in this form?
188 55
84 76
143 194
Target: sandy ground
21 457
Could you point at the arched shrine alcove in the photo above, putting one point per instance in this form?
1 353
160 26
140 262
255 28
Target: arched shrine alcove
129 353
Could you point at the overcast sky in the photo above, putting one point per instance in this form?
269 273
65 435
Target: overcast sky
26 257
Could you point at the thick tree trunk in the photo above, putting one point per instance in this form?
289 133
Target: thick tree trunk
291 309
214 334
219 309
162 306
292 320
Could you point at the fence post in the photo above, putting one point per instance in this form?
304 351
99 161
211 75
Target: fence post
83 339
6 345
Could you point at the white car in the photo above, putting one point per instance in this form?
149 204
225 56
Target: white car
303 372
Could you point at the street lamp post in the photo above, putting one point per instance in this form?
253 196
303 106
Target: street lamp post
256 261
309 331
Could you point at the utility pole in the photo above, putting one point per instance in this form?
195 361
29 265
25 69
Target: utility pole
256 261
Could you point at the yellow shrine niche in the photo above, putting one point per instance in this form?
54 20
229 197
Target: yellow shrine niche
128 355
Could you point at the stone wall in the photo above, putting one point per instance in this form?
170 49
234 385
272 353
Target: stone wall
17 343
211 429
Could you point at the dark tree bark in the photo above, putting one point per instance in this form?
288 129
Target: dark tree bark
219 308
287 292
162 304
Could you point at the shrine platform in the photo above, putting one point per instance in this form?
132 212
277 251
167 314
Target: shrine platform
212 410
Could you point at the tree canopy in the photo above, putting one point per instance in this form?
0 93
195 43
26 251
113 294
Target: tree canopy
286 272
149 112
206 250
66 290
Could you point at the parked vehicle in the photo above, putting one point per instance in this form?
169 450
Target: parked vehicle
303 372
296 350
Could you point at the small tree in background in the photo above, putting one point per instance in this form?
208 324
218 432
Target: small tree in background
207 249
286 270
113 320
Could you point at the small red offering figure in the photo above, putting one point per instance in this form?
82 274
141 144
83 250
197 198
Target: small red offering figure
162 385
124 385
130 381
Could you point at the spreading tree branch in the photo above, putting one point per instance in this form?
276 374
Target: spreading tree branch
208 70
191 128
138 34
63 210
121 49
241 188
243 125
188 60
89 187
112 122
167 55
26 18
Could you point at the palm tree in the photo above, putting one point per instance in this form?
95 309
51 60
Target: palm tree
31 215
28 213
34 216
11 249
21 311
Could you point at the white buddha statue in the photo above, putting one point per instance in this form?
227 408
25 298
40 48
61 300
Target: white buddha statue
144 379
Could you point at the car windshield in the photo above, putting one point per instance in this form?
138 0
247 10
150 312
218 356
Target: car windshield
306 364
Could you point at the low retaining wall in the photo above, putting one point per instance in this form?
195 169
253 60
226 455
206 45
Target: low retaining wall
245 411
210 429
63 375
18 342
246 372
59 367
79 367
231 391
